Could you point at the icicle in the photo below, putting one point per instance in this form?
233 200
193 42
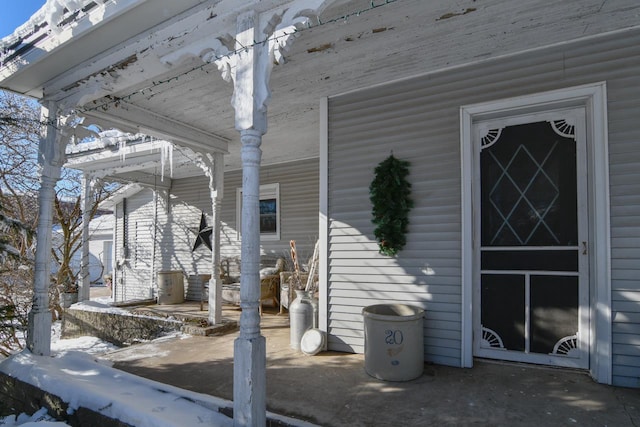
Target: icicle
166 154
163 159
122 145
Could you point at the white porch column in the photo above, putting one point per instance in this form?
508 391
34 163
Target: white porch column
213 166
85 280
260 42
215 284
252 70
249 380
50 159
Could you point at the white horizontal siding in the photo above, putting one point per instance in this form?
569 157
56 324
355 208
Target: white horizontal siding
367 126
298 210
118 243
178 219
134 223
299 204
418 120
197 287
624 155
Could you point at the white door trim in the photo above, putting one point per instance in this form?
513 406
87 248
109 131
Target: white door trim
593 98
323 220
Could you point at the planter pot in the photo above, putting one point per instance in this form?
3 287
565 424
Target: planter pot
301 313
393 341
170 287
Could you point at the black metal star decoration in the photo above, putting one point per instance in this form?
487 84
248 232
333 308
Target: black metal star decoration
204 234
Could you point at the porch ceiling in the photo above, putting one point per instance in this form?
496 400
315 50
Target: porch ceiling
326 60
126 81
190 99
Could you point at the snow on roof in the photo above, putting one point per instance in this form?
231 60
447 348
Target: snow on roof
51 14
107 138
122 193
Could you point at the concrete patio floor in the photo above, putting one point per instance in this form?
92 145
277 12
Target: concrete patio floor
332 389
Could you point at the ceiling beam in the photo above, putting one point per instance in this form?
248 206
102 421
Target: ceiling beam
133 167
160 126
143 179
207 21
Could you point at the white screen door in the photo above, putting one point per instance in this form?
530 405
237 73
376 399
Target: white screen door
531 225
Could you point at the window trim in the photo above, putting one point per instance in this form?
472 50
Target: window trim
267 191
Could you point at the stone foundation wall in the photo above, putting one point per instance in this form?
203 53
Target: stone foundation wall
17 397
117 329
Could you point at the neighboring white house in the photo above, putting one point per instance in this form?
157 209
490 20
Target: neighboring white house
519 120
100 249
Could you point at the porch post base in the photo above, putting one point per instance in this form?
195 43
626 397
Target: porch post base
39 333
249 388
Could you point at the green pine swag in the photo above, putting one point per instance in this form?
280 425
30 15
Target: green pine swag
389 193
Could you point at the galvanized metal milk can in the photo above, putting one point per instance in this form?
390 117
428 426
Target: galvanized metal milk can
301 313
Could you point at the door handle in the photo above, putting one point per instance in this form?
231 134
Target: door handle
584 248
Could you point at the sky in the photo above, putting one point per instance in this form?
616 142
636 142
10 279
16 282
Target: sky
14 13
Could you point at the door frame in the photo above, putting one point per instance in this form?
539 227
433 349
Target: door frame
593 98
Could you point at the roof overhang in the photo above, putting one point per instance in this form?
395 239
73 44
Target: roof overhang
45 55
121 194
134 159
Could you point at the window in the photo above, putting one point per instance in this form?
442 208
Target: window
269 211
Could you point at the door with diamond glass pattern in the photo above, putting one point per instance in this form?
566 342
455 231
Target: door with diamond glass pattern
531 264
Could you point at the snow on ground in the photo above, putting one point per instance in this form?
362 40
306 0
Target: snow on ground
39 419
81 380
75 374
90 345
